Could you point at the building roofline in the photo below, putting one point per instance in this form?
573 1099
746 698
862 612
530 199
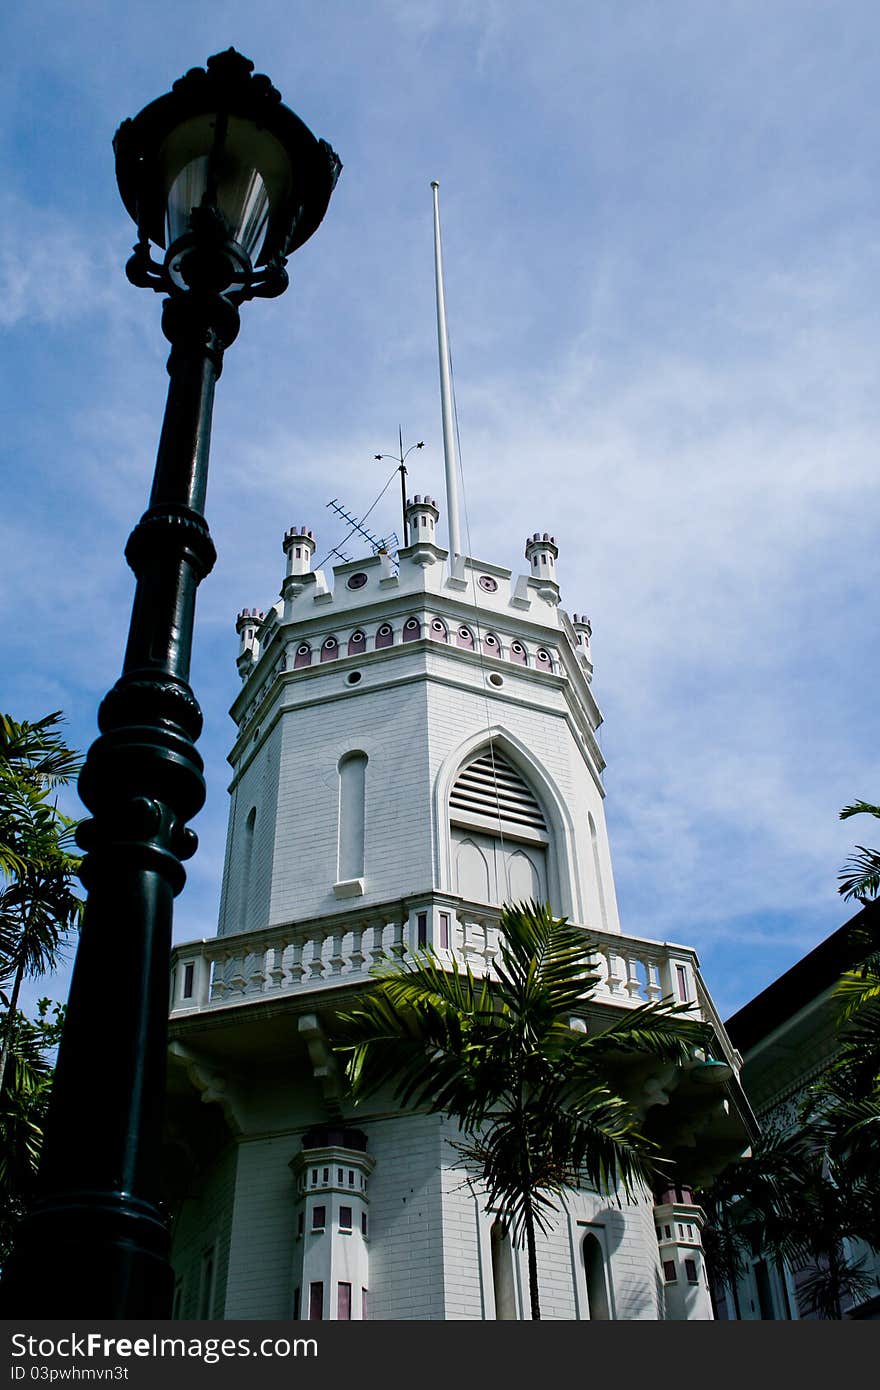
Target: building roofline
809 977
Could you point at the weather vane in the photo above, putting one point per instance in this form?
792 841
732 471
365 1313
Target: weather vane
400 459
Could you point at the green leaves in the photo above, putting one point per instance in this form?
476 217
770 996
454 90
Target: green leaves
860 876
532 1096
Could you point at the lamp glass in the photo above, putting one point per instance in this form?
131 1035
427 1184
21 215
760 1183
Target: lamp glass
230 163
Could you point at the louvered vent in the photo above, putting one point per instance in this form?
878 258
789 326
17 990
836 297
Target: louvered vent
491 788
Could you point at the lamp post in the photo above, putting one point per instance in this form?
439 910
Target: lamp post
227 182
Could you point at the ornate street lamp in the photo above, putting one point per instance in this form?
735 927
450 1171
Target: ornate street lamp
226 182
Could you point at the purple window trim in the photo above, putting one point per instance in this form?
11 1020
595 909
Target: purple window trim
357 643
438 630
518 654
316 1302
385 636
329 649
303 656
444 930
682 981
412 630
465 638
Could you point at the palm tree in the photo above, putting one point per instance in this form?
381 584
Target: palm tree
532 1095
33 760
860 876
37 903
23 1104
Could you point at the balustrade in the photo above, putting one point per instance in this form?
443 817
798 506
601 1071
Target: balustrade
331 951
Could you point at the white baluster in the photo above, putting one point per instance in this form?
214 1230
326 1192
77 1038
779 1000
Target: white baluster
337 960
613 980
652 989
398 948
316 964
377 953
257 978
633 984
297 969
276 973
357 957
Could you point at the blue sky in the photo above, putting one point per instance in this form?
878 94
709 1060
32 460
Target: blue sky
662 253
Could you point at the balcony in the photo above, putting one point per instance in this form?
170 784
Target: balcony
302 958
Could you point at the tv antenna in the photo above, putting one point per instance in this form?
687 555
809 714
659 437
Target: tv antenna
387 543
400 459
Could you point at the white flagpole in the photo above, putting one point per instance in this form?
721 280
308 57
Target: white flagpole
446 395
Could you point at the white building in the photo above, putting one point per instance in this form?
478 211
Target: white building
416 744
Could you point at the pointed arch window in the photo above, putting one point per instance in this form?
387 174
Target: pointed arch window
357 643
465 638
412 630
499 834
247 866
303 656
329 649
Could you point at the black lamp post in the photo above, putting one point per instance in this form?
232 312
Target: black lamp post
228 182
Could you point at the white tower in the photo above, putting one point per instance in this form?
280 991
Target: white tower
412 751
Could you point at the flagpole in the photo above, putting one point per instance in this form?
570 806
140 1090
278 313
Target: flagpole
446 395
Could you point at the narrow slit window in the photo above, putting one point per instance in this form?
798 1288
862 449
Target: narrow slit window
352 815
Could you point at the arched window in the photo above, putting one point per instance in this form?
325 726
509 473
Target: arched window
499 834
597 1288
303 655
438 630
543 659
502 1273
518 654
247 863
465 638
352 816
329 649
412 630
384 635
491 645
357 643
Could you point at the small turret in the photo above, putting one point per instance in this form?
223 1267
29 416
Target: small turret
299 547
542 553
422 515
584 631
246 625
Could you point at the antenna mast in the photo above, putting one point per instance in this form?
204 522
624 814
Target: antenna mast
400 460
446 393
